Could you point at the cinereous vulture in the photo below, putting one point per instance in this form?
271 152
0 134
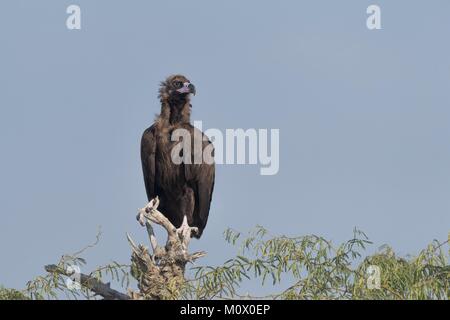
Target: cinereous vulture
184 189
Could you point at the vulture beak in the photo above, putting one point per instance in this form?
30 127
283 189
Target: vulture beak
187 88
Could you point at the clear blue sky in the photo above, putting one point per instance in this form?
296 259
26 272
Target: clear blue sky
363 118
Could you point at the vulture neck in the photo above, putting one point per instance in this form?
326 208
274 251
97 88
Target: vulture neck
174 111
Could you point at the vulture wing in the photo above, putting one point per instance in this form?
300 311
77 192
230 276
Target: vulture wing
148 150
201 178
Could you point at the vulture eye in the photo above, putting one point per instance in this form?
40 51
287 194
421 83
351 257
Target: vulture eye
178 84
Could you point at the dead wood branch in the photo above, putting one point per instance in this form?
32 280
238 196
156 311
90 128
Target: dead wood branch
160 275
91 283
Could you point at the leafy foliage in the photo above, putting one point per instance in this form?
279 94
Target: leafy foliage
321 270
314 267
11 294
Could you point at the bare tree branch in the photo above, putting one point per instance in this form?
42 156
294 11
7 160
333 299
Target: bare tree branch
160 275
91 283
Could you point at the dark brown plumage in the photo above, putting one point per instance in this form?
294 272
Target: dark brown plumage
183 189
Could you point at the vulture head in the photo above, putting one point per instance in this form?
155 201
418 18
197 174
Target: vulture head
176 90
174 94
